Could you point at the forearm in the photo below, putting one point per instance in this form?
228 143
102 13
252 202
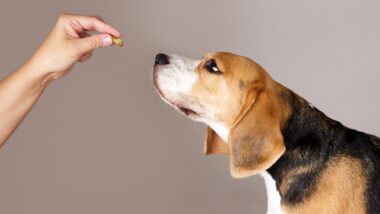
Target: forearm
67 44
18 93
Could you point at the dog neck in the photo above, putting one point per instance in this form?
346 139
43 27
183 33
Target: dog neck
308 135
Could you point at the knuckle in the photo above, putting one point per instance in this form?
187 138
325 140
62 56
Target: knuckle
97 17
94 43
64 17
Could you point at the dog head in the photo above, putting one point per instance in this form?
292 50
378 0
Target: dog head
235 97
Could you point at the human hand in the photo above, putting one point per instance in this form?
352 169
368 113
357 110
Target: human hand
69 43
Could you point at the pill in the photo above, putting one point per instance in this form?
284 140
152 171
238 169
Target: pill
117 41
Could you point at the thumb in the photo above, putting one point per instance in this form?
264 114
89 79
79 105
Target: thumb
93 42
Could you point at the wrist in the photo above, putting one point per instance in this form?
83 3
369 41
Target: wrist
34 70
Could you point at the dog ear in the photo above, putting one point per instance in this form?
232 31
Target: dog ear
214 144
255 140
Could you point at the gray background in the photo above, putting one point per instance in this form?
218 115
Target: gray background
101 141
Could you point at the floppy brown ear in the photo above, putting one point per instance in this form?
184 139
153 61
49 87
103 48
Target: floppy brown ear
214 144
255 140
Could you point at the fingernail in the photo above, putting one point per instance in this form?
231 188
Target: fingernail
107 40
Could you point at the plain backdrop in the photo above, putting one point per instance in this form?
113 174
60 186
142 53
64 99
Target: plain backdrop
102 141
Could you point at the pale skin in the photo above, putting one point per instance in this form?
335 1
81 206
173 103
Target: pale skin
67 44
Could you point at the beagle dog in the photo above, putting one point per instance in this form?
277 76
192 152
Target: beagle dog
310 162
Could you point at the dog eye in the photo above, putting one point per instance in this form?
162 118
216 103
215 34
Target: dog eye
212 67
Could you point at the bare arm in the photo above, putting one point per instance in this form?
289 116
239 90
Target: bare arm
67 44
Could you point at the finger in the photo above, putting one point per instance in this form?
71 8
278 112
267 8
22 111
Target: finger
92 23
98 17
88 44
86 56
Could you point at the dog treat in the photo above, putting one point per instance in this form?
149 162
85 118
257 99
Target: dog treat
117 41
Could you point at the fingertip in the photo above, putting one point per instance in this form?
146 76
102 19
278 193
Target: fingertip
114 32
107 40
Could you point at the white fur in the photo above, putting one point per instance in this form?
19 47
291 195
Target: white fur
176 83
219 128
274 197
177 78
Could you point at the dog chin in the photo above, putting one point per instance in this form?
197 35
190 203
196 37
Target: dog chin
181 108
184 109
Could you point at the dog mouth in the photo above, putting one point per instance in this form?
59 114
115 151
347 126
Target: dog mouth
187 111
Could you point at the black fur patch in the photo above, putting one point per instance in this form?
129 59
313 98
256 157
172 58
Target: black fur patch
312 140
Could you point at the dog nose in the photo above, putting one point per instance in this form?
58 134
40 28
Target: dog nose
161 59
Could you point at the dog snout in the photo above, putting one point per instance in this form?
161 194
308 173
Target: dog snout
161 59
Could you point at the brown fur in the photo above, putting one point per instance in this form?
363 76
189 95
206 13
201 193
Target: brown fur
213 143
255 140
255 114
340 189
